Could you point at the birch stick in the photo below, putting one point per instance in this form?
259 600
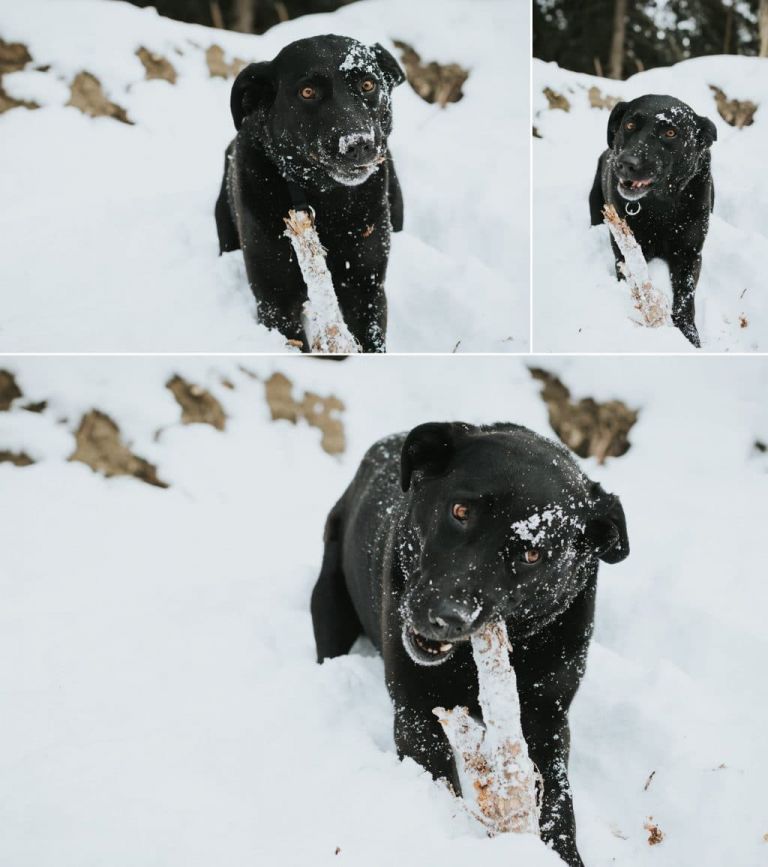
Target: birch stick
651 304
498 778
323 322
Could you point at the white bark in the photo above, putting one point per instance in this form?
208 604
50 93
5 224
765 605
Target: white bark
498 778
652 306
323 322
763 25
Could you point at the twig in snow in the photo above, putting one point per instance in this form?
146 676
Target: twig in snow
325 326
498 778
653 306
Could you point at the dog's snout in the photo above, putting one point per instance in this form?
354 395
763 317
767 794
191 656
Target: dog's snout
451 620
628 162
358 147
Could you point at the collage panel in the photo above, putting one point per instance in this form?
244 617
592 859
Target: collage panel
657 114
380 124
184 537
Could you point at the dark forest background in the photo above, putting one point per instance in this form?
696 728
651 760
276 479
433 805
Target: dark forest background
247 16
617 38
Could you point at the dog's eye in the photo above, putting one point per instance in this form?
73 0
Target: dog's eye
630 125
670 133
460 512
532 555
308 92
368 85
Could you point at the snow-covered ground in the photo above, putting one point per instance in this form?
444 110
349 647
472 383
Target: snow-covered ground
578 304
108 239
160 700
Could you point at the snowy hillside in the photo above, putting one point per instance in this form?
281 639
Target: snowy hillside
108 239
579 305
161 703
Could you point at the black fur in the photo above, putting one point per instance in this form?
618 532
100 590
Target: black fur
397 559
334 147
662 139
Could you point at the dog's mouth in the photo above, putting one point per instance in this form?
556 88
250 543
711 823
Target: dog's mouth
633 190
426 651
352 175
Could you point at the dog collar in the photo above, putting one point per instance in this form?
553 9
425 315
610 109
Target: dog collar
638 208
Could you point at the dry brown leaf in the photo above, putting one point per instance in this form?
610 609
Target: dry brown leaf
556 100
156 66
587 427
218 66
320 412
9 390
736 112
434 82
198 406
88 96
18 459
100 447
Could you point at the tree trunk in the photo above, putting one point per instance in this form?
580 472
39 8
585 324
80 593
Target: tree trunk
763 19
728 38
616 60
244 15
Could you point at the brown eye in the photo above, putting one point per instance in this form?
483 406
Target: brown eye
368 85
460 511
532 555
308 92
630 126
670 133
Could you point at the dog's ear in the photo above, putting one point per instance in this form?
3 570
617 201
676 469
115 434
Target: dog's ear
606 530
707 131
429 448
614 121
391 69
252 86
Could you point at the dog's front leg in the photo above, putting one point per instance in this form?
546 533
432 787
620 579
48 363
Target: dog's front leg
418 735
548 740
684 269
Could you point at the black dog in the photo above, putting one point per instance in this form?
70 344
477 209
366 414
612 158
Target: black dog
312 131
658 152
445 529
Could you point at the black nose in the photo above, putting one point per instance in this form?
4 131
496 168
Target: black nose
359 150
628 163
450 620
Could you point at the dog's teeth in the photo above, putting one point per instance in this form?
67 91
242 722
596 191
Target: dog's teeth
445 647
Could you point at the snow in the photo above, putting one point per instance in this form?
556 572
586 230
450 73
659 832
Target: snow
578 304
161 702
109 242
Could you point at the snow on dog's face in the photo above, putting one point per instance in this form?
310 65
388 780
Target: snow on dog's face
504 524
657 143
321 109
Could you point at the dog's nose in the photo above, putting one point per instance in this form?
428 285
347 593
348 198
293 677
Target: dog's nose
628 163
451 620
358 147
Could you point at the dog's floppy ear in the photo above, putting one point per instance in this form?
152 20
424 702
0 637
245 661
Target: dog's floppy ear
606 530
388 65
614 121
707 131
429 448
252 86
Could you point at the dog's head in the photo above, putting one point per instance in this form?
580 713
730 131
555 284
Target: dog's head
657 145
321 109
504 524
